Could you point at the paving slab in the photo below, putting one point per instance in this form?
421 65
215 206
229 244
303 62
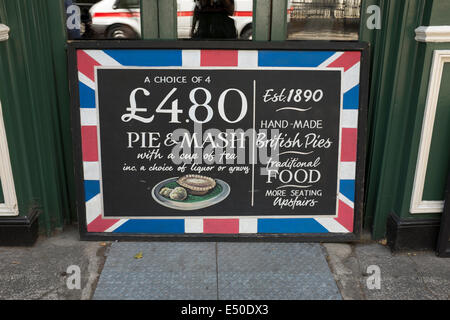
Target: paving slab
210 271
274 271
403 276
163 271
40 272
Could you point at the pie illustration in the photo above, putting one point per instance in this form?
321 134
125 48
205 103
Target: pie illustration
197 184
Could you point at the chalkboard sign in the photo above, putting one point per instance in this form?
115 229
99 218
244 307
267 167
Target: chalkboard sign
443 247
233 139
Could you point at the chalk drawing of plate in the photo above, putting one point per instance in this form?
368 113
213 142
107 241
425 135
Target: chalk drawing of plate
192 202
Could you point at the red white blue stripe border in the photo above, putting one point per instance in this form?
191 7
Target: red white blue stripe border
349 61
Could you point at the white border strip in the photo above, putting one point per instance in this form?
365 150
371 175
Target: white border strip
348 171
247 59
248 225
93 208
91 170
190 58
193 225
418 205
85 80
349 119
116 225
351 78
101 57
88 116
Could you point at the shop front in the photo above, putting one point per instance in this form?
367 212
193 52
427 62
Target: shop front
232 120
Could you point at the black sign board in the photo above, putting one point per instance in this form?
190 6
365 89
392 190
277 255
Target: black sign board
443 247
200 139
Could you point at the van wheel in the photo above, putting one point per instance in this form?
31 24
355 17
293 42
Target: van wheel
247 34
120 32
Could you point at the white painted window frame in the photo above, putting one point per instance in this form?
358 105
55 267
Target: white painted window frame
418 205
4 32
433 34
9 207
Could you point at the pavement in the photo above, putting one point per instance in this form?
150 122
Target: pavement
40 272
208 270
403 276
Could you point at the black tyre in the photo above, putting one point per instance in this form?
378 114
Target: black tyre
247 34
120 31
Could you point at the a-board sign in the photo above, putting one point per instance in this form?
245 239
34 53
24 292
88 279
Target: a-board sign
235 140
443 246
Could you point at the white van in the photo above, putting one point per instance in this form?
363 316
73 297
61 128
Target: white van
121 18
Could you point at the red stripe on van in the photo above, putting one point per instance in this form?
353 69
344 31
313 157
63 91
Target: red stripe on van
116 14
243 13
179 14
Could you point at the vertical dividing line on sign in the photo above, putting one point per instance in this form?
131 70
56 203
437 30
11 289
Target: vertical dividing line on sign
254 142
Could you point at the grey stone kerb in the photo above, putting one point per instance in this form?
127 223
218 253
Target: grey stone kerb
4 32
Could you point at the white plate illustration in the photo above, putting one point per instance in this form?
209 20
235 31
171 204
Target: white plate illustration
186 205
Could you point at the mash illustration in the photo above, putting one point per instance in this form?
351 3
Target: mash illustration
190 192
